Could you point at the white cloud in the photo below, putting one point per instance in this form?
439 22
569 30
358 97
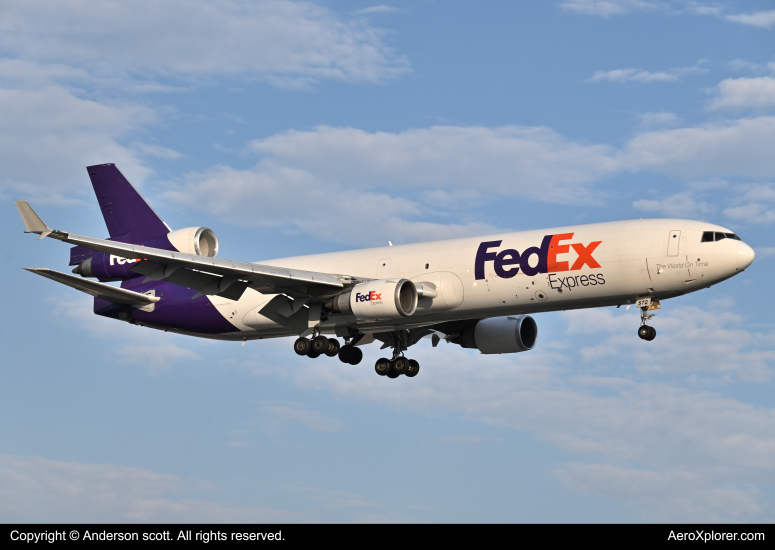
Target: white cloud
745 93
155 358
649 121
416 173
298 201
273 415
680 205
277 39
34 489
764 252
751 214
699 9
608 7
310 181
462 439
48 137
613 410
738 148
755 206
764 19
690 341
515 161
158 151
377 9
632 75
639 75
743 65
151 349
672 496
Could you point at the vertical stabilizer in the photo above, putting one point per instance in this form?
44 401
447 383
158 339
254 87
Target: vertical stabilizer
129 218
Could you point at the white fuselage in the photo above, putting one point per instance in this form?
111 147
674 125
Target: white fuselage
659 258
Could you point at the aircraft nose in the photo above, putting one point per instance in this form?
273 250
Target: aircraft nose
744 255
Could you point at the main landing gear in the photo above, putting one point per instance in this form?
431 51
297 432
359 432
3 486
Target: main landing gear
320 345
645 332
396 367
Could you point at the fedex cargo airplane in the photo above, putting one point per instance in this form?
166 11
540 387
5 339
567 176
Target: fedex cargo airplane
477 292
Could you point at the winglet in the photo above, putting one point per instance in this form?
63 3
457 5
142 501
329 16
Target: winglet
31 220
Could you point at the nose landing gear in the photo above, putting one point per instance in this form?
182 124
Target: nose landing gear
645 332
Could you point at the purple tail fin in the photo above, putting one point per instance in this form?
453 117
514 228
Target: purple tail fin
129 218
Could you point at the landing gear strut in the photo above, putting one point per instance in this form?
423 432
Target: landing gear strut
645 332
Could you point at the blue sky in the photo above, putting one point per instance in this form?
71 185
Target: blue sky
293 128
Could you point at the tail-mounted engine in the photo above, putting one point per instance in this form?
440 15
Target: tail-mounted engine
500 335
378 300
195 240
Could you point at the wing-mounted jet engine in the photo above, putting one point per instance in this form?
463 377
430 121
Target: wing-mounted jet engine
380 300
512 334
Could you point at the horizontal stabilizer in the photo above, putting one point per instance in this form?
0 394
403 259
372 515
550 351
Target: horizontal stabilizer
109 293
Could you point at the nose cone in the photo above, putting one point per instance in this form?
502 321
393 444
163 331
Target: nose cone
744 256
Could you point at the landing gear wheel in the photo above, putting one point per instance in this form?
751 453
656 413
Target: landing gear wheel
400 365
356 355
412 369
301 346
312 354
344 353
333 347
644 332
382 366
391 373
319 344
652 335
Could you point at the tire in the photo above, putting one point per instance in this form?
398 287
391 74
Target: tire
644 332
391 373
400 365
382 366
319 344
413 368
313 354
333 347
344 353
652 334
301 346
356 355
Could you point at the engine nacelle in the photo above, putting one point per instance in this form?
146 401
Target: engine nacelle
378 300
510 334
195 240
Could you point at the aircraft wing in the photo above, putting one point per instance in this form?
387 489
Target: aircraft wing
208 275
107 292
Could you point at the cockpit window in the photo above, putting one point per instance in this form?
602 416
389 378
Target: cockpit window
710 236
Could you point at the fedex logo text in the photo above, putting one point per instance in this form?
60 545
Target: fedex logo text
121 261
370 297
546 256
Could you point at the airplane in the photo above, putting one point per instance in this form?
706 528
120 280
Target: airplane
476 292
